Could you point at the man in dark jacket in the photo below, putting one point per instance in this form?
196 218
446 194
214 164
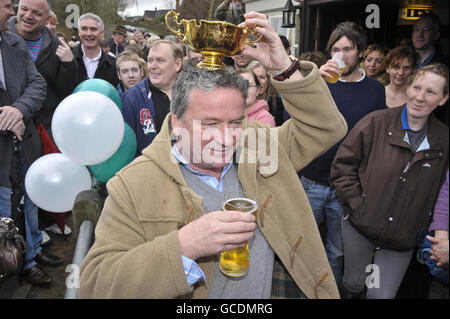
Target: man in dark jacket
22 91
92 62
54 59
146 105
118 41
355 95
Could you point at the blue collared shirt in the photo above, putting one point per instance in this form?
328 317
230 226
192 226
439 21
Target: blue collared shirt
192 270
208 179
405 125
427 60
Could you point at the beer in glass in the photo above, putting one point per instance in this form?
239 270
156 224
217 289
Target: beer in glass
235 262
338 58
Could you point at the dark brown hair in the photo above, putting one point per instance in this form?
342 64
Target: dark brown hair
317 57
354 32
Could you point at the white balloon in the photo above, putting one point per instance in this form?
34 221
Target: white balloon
88 127
53 181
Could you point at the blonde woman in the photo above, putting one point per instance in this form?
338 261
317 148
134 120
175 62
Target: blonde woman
52 22
256 109
268 92
373 60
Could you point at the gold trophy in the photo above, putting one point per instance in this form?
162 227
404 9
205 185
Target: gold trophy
213 39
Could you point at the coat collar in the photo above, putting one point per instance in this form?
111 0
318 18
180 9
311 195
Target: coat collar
160 153
396 132
9 38
45 33
105 58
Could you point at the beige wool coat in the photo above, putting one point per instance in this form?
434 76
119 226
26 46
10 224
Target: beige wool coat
136 252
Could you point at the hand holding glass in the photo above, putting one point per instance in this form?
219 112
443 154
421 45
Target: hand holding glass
235 262
335 77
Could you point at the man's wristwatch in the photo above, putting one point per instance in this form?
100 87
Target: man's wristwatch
287 74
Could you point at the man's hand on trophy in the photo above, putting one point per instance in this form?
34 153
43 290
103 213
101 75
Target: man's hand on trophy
269 51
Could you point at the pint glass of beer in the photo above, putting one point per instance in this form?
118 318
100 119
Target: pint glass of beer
235 262
338 58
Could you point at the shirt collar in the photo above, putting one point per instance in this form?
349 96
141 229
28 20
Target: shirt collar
405 123
183 162
363 76
427 60
97 58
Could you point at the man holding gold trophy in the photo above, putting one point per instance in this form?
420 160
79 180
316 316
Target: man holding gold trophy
213 182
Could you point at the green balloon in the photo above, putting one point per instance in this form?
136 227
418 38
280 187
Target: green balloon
102 87
121 158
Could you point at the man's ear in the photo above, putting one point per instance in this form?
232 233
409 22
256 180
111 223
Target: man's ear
177 128
444 99
179 64
175 121
436 37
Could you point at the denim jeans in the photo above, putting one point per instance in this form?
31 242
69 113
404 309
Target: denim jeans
324 202
33 234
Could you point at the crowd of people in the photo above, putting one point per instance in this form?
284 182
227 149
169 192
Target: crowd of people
360 162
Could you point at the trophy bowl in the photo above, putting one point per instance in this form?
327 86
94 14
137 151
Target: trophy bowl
213 39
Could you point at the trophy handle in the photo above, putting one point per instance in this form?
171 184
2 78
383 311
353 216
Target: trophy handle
253 31
175 19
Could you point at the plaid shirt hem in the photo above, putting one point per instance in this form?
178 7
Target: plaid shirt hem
283 286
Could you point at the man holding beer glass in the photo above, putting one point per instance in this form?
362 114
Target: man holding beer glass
163 228
355 95
235 262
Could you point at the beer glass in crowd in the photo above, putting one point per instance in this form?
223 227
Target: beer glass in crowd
338 58
235 262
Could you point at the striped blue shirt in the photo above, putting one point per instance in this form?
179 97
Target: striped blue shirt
192 270
34 46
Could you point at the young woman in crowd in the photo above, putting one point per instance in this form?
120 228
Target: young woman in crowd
373 60
256 109
388 172
267 92
399 65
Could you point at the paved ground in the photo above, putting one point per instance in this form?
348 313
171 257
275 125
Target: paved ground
63 246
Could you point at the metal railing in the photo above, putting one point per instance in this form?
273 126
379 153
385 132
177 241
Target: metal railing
84 242
86 212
